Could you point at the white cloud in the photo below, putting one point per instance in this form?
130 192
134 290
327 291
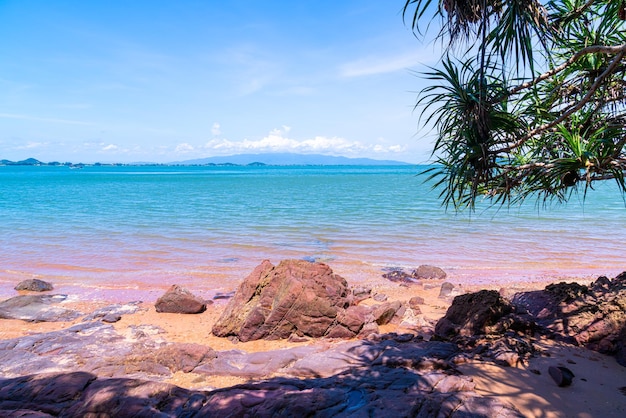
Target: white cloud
184 148
278 141
110 147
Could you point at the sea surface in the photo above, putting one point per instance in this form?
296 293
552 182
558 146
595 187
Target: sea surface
120 232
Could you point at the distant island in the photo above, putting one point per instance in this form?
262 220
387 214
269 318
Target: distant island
281 159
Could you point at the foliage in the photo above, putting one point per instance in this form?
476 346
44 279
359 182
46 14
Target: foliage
529 97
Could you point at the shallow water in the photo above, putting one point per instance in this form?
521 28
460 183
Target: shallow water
130 232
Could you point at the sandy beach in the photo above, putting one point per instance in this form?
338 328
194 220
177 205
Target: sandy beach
598 389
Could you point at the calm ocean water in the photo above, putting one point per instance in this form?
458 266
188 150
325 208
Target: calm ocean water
117 231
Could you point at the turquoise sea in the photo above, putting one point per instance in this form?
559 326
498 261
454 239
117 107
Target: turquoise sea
132 231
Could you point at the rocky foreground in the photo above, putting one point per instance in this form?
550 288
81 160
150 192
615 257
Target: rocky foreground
340 361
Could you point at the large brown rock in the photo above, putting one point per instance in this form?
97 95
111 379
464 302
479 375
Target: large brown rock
180 300
472 314
295 297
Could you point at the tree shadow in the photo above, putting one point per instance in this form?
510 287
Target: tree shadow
385 378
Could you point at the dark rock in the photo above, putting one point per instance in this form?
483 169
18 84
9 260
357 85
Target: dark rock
562 376
392 392
223 295
620 347
180 300
34 285
296 296
566 292
472 314
37 308
402 277
591 316
426 272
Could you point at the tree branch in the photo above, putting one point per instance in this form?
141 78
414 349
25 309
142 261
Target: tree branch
594 49
587 98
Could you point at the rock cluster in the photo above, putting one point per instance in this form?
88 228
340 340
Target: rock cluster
591 316
423 272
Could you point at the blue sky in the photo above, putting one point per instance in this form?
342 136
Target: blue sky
164 81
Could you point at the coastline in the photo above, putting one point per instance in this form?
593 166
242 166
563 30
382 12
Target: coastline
593 395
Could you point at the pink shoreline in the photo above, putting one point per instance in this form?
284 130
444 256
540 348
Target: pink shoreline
138 287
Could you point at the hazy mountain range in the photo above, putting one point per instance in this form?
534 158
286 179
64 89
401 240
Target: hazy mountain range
290 159
246 159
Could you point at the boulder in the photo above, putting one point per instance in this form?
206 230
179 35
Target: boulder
37 308
34 285
472 314
296 296
426 272
180 300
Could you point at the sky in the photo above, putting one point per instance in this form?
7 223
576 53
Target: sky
162 81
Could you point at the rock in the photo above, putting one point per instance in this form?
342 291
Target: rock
37 308
412 318
176 357
180 300
590 316
566 292
620 347
385 312
296 296
415 302
111 318
472 314
361 293
562 376
34 285
380 297
400 276
449 290
223 295
113 313
426 272
381 391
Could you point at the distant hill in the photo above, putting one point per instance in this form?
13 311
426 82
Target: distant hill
28 161
288 159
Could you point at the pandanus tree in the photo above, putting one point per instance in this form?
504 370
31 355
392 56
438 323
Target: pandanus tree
528 98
